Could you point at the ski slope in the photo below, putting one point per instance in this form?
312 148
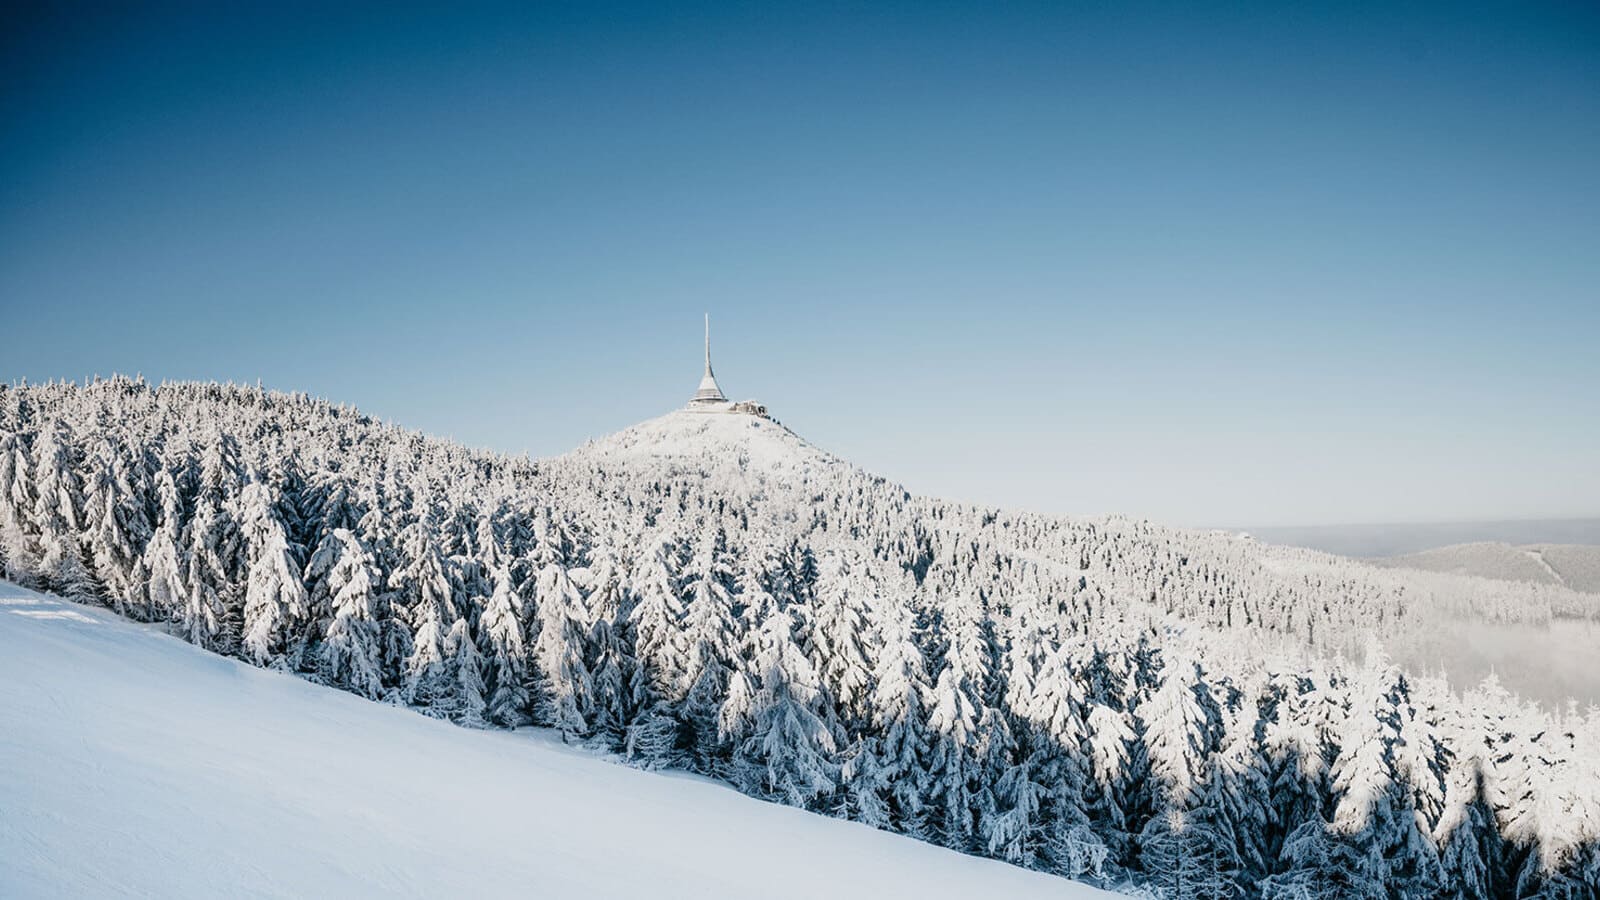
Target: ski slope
133 764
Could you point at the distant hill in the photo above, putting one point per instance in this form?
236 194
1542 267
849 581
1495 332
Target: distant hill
1576 566
1374 541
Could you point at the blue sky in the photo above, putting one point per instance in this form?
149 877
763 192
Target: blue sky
1235 264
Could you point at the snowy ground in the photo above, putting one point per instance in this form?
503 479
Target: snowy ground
699 440
132 764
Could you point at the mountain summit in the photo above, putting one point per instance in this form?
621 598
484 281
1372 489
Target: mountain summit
714 440
713 433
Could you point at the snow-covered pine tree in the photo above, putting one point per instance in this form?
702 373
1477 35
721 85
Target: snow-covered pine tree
617 682
1054 745
562 700
428 593
654 736
345 583
1421 758
1562 820
1181 723
1297 760
1109 751
504 653
788 755
275 598
164 560
1506 760
1469 854
1111 739
754 603
19 543
1186 858
383 537
890 785
116 527
213 550
1313 868
466 669
1373 820
709 633
1234 799
57 516
657 617
833 635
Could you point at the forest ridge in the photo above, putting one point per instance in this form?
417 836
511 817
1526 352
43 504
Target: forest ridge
1106 699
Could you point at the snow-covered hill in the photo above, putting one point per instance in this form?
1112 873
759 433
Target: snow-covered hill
1448 593
721 445
135 765
1380 540
1485 560
716 436
1576 566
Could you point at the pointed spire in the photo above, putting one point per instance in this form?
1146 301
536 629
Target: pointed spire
709 392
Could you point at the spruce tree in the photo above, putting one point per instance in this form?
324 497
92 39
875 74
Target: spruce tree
213 550
164 561
788 755
275 599
428 593
615 677
657 618
116 527
1373 816
899 703
349 655
57 519
466 667
834 635
708 632
563 698
505 657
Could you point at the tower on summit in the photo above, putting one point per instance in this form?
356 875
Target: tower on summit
709 392
709 398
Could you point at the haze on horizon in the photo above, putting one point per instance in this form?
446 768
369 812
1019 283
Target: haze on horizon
1244 266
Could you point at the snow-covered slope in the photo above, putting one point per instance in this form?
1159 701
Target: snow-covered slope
719 440
1485 560
1577 564
1379 540
133 764
1570 565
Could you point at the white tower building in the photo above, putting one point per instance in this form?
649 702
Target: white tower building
709 392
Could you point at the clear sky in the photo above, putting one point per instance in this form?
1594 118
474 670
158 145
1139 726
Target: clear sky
1227 264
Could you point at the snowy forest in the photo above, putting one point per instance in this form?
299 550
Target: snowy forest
1154 710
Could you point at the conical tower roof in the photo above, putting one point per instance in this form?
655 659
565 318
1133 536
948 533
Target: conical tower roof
709 392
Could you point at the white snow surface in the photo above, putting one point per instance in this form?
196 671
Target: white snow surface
133 764
694 439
